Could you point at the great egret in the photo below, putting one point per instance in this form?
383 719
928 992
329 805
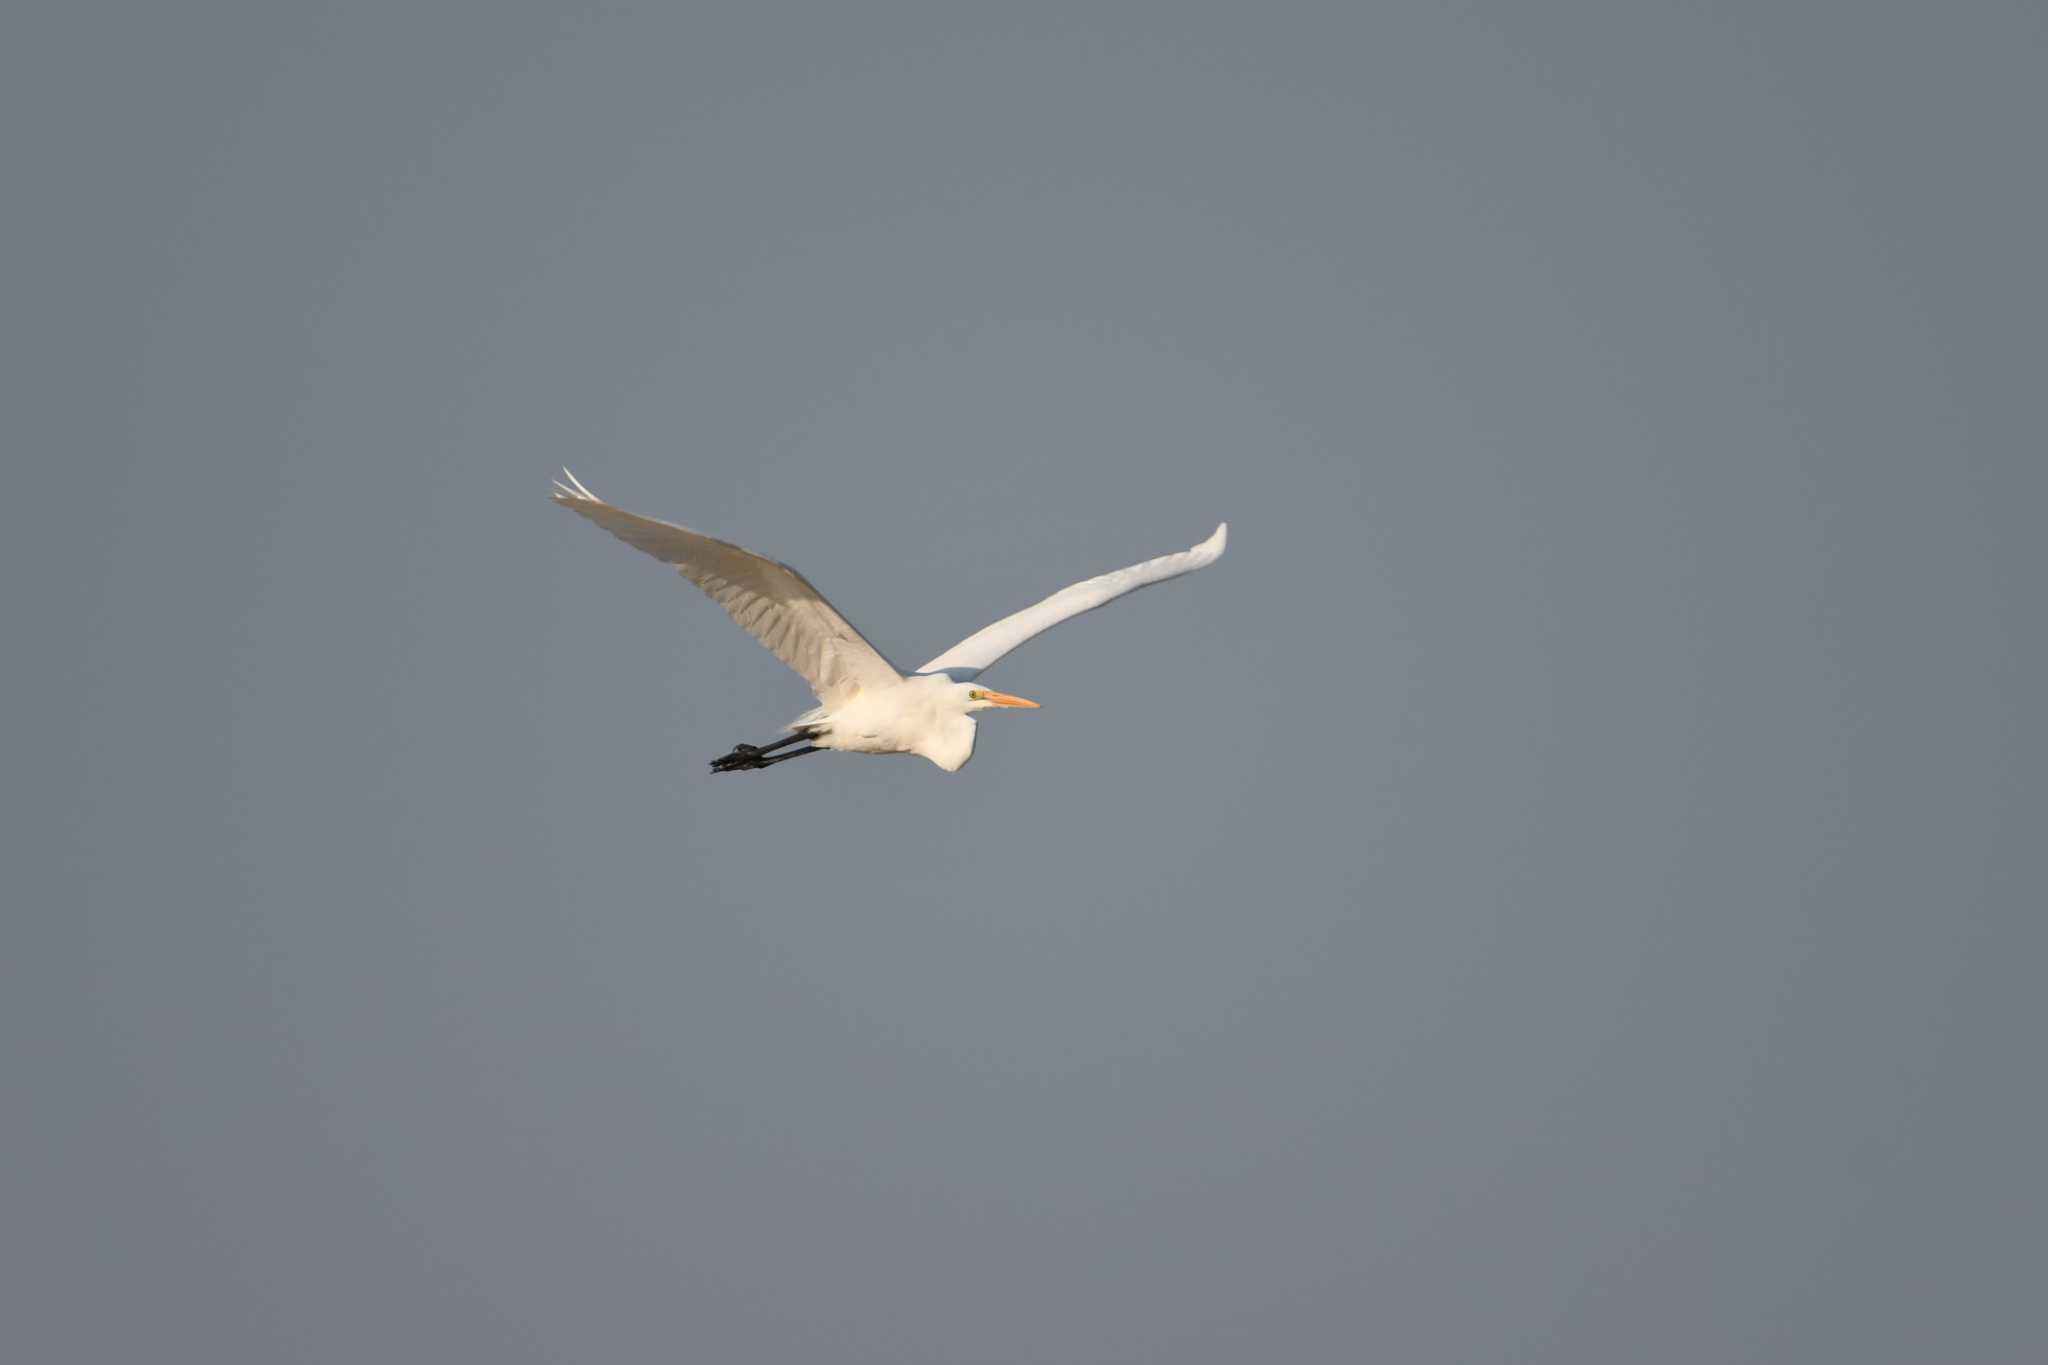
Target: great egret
865 705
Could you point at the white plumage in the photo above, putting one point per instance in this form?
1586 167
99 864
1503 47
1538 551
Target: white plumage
865 704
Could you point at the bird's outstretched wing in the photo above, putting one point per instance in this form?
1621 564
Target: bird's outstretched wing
966 659
774 602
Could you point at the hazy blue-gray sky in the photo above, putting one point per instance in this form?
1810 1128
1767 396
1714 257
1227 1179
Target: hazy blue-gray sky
1566 887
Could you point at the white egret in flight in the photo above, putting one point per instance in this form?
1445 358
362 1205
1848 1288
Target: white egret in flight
865 705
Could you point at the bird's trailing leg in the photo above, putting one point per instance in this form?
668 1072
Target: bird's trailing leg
793 753
746 756
740 763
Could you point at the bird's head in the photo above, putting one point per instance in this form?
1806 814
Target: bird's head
975 698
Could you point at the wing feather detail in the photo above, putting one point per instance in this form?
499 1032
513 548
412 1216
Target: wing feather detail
771 601
968 658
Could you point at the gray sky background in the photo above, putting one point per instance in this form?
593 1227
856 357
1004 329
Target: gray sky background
1566 887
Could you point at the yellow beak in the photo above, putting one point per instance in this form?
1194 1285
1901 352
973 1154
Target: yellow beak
1005 699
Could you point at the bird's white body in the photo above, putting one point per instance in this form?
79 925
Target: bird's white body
865 705
924 714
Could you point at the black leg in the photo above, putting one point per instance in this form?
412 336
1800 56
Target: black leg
745 756
739 762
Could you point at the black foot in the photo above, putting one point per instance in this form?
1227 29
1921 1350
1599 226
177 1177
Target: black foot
746 757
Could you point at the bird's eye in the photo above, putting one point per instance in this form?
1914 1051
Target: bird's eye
977 695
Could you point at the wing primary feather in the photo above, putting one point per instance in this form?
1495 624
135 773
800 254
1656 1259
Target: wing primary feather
975 653
771 601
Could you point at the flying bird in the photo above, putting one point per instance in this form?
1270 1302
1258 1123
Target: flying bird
865 706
